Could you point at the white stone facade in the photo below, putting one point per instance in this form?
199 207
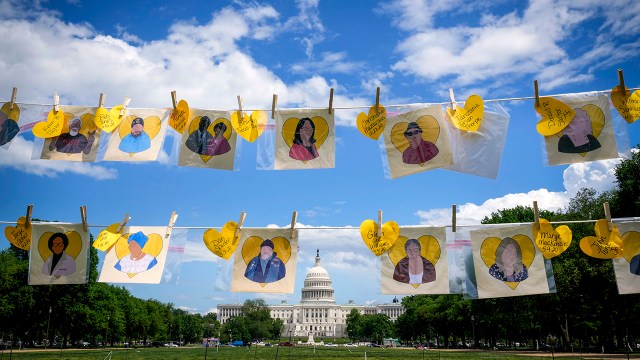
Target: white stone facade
317 312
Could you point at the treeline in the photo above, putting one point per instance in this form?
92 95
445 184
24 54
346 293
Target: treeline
585 312
96 313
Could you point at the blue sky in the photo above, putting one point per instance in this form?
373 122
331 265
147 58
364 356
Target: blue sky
212 51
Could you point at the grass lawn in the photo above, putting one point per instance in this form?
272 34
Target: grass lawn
244 353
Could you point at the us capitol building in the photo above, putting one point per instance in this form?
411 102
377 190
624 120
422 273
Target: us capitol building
317 312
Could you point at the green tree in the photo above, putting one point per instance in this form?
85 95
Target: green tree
354 329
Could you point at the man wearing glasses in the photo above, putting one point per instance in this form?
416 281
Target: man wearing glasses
419 150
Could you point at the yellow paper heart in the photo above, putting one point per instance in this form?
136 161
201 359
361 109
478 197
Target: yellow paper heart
551 242
13 114
605 245
180 116
373 124
19 236
108 120
50 128
429 249
73 249
194 125
493 246
430 132
469 117
251 249
249 127
631 244
628 108
375 242
222 243
153 247
320 133
556 115
107 237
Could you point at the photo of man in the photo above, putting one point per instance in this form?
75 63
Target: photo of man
73 142
138 140
267 266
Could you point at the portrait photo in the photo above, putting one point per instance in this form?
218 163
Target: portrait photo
138 256
139 136
265 261
209 141
417 141
58 254
627 268
416 263
79 139
305 139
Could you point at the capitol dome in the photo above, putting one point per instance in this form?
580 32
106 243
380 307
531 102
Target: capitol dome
317 285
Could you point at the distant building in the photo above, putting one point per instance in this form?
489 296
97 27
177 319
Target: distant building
317 312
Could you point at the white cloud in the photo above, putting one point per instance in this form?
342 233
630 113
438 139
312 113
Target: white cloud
598 175
18 156
328 62
308 21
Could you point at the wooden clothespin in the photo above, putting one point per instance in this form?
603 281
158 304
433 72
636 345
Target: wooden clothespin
621 86
330 101
453 217
173 100
240 223
172 221
274 103
453 99
379 234
239 108
14 94
124 222
294 219
27 218
536 215
377 99
536 94
56 102
125 104
83 216
101 100
607 215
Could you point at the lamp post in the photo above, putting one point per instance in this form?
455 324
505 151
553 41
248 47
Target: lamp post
106 332
46 340
170 328
473 329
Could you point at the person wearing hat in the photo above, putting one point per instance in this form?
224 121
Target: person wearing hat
267 266
197 140
419 150
137 260
73 142
138 140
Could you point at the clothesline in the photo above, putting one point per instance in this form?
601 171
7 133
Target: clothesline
613 220
599 92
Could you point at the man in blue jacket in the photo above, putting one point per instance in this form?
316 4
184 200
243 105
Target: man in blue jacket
267 266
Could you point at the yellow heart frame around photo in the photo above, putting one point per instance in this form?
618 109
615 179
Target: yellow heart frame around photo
153 247
631 244
377 243
222 243
195 123
596 115
151 126
249 127
551 242
429 249
606 244
73 248
251 249
321 132
556 116
469 117
18 235
490 245
52 127
430 132
373 124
